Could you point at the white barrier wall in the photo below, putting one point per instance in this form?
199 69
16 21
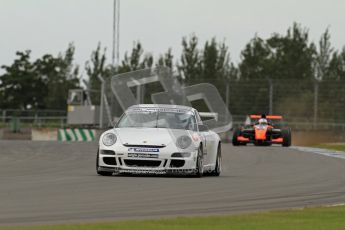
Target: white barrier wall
44 134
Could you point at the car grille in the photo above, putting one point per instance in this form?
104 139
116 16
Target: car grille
142 163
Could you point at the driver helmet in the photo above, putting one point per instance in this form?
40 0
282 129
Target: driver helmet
263 121
184 120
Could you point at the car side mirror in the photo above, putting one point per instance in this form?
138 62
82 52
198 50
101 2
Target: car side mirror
203 128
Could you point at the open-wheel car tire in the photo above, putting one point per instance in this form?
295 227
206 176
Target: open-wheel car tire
237 132
286 133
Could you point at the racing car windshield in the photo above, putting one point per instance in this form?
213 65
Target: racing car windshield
158 119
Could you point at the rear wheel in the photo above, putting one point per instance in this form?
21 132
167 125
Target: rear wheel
286 133
217 170
237 132
99 172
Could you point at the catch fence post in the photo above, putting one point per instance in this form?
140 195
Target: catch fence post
102 101
227 96
270 102
4 116
316 101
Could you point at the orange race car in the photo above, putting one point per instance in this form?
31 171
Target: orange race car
262 132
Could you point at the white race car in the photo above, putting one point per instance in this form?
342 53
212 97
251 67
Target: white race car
159 139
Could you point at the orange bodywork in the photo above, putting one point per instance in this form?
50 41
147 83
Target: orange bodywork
240 138
278 140
271 117
260 134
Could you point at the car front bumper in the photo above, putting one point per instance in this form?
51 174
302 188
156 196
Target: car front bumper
162 162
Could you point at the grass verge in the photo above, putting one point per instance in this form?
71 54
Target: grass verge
308 218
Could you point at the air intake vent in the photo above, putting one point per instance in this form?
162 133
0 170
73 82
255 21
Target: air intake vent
176 163
142 163
145 146
109 160
107 152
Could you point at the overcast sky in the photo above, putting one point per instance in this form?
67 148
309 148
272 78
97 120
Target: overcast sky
47 26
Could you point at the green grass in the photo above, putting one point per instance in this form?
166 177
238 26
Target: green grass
337 147
309 218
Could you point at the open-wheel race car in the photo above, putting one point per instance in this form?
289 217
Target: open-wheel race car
261 131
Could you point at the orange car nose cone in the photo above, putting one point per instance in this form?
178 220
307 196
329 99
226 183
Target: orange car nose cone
260 134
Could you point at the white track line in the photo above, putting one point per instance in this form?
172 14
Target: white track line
325 152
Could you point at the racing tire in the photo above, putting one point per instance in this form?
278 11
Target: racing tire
199 169
286 133
237 132
218 168
99 172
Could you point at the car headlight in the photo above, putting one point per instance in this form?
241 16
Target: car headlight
109 139
183 142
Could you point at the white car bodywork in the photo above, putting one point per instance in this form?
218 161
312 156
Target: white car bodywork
156 150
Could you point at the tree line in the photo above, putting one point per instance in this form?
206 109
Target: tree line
44 83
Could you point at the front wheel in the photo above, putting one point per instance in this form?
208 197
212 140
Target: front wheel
99 172
217 170
199 169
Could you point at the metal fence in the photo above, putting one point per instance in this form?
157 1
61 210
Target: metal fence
305 104
32 118
299 101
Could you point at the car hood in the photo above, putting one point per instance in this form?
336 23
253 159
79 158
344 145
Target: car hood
149 136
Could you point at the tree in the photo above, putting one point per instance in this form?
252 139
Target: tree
323 58
21 86
292 54
280 61
255 60
293 58
166 59
189 68
135 60
42 84
215 61
59 75
234 73
336 70
289 56
96 67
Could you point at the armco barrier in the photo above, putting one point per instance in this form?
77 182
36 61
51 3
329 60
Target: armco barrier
76 134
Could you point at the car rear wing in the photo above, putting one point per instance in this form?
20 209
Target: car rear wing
271 117
209 114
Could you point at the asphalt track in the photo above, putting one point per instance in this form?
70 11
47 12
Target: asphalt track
50 182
